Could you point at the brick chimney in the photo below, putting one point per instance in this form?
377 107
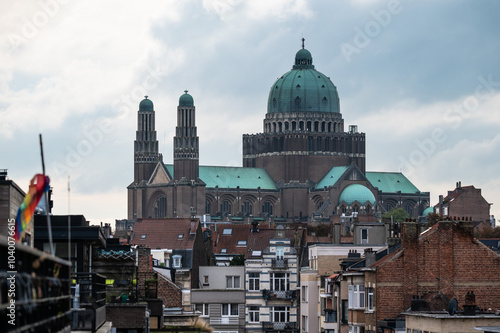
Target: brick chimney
370 257
192 230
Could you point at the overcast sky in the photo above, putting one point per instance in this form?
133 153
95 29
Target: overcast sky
420 78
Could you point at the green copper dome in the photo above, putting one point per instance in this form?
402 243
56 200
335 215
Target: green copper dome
186 99
146 104
303 89
357 192
428 210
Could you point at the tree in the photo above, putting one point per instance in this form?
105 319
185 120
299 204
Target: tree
398 215
238 260
433 218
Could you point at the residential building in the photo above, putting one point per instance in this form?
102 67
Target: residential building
220 299
184 243
442 263
272 280
465 202
11 197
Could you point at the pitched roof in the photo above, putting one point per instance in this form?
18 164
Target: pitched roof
258 241
227 237
164 233
331 177
391 182
232 177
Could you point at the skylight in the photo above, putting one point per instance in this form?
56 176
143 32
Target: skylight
223 251
180 236
256 253
227 231
143 236
242 243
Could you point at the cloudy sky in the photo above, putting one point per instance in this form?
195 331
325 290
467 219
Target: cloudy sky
420 78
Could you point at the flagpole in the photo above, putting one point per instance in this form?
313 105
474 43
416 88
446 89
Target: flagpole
69 226
49 227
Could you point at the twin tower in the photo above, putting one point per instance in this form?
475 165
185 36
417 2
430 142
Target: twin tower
153 183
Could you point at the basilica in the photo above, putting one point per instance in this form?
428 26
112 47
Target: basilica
304 166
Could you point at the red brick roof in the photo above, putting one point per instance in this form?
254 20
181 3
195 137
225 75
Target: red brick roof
164 233
229 240
258 241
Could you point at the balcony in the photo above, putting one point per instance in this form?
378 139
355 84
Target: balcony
40 285
279 263
279 294
224 321
279 326
89 304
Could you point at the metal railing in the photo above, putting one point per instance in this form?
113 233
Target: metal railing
279 326
280 294
89 301
279 263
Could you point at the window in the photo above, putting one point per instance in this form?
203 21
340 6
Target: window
143 236
205 280
229 309
177 261
280 252
223 250
305 323
253 314
354 329
304 294
232 281
242 243
227 231
370 299
203 308
364 236
344 311
267 207
160 208
225 207
280 314
246 208
180 236
280 281
356 296
254 281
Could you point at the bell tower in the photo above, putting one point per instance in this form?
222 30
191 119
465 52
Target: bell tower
145 145
186 141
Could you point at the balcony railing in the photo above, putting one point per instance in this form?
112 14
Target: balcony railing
224 321
279 294
35 290
279 263
278 326
89 305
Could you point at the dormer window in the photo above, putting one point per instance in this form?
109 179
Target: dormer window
177 261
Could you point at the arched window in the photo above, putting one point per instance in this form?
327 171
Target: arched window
318 144
267 207
225 207
310 143
207 206
160 209
297 103
246 208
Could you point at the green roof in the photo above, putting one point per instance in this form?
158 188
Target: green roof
303 89
186 99
391 182
428 210
146 105
357 192
232 177
331 177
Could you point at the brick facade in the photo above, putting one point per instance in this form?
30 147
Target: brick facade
444 262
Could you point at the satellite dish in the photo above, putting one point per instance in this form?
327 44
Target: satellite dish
452 307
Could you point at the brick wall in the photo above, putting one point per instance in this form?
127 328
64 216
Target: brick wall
447 260
169 292
128 315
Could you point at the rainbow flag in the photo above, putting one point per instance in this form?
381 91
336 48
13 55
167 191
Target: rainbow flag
38 186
